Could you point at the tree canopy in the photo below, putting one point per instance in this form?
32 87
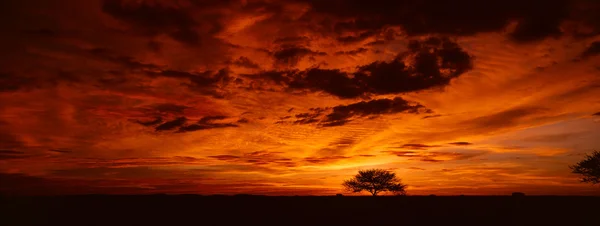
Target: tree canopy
375 181
589 168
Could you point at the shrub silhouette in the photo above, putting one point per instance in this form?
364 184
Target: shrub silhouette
375 181
589 168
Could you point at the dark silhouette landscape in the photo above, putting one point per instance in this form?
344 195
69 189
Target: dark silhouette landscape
299 210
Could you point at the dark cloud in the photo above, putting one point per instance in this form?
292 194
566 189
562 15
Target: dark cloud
182 125
207 82
258 158
278 77
309 117
10 82
224 157
199 80
170 108
245 62
9 140
431 160
185 159
503 119
434 156
337 147
335 123
154 46
266 157
402 153
129 172
596 114
170 125
207 123
352 52
418 146
592 50
357 38
378 42
415 168
208 119
60 151
332 81
152 20
434 63
157 112
136 162
344 113
585 12
537 19
199 126
292 40
344 142
431 116
538 24
551 138
150 123
575 92
11 154
127 62
327 159
291 55
461 143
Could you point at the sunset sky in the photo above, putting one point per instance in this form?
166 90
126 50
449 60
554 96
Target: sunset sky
292 97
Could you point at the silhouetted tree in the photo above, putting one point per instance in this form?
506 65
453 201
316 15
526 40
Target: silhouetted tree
589 168
375 181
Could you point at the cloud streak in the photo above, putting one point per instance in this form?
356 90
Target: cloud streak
435 156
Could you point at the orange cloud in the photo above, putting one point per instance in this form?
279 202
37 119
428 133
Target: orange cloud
119 96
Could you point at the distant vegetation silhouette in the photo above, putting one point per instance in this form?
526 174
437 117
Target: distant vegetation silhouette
589 168
375 181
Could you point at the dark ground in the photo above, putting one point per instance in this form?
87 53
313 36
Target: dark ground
260 210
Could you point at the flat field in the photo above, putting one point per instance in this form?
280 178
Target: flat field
165 210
